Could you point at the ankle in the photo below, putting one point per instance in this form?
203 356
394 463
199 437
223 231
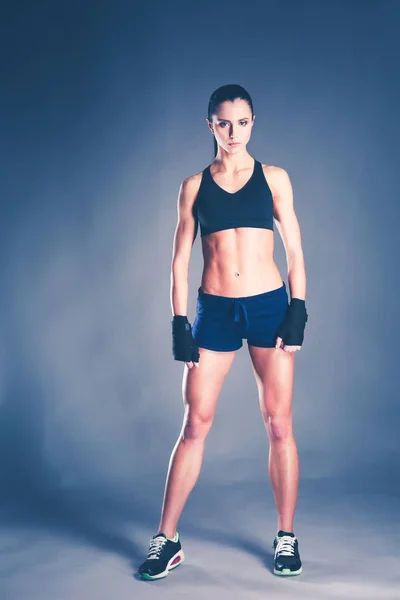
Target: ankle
290 530
168 532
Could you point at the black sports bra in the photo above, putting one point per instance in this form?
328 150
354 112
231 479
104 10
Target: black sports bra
251 206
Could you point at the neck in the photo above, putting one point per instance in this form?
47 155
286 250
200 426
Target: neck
233 162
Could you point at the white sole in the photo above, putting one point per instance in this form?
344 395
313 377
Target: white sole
287 572
172 564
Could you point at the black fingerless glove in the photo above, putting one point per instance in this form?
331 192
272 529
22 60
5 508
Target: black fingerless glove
183 345
291 330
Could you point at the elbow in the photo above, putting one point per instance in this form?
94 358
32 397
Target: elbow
295 255
180 268
295 252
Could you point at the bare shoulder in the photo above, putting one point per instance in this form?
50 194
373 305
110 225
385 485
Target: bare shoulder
277 178
189 188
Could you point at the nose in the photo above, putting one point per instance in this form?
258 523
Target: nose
232 132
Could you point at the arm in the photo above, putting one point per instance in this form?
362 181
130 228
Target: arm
185 234
289 229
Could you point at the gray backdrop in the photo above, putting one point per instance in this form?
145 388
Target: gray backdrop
103 115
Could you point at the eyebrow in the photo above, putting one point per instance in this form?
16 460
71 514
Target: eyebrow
221 119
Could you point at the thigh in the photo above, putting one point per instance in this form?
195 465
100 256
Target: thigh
274 373
201 385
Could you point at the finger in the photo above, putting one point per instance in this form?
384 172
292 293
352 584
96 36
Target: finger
278 342
196 364
189 364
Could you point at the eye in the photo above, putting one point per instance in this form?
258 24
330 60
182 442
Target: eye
223 123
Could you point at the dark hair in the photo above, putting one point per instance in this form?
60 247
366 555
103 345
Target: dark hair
222 94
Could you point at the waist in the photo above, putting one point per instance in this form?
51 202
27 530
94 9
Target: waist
234 282
249 299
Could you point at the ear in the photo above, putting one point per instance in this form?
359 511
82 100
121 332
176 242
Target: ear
210 126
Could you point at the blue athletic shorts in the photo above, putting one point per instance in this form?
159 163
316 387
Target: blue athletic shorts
222 322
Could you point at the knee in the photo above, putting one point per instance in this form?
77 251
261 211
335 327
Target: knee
279 427
196 426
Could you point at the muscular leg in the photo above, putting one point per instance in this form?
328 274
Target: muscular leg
274 373
200 389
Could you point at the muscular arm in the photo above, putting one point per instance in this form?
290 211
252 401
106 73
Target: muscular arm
289 229
185 234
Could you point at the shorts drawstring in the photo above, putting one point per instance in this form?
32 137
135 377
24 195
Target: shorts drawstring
237 305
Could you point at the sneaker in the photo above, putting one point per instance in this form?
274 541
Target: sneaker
164 554
286 554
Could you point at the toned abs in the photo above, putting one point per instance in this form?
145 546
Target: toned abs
239 262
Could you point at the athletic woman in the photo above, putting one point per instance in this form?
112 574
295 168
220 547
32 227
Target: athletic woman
242 296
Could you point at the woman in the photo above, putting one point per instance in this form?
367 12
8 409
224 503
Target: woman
242 295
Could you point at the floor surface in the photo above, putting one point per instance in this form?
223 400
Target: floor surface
77 546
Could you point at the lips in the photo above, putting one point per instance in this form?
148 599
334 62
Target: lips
235 144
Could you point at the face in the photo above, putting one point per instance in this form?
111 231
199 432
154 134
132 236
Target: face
232 123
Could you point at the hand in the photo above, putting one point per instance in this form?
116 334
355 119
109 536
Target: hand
183 344
192 364
280 344
292 326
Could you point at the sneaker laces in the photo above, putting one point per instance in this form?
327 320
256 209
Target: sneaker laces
285 545
156 545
